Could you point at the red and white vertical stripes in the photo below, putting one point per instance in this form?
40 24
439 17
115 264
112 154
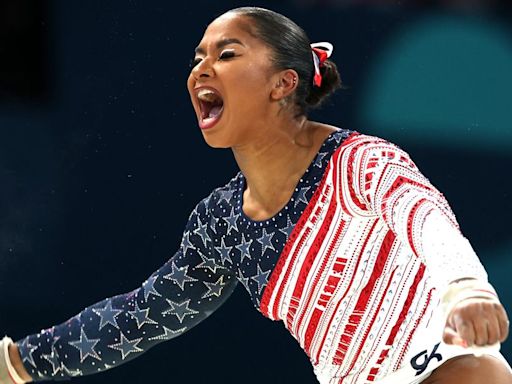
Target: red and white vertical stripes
349 284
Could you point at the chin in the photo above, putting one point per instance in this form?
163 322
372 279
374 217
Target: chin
215 142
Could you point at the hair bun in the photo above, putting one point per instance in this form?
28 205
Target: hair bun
331 81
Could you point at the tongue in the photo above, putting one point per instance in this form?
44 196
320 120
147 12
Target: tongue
214 112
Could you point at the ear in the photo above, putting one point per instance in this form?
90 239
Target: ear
285 83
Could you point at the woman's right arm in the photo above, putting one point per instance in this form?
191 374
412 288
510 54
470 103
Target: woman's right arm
182 293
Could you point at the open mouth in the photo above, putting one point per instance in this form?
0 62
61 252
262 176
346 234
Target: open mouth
211 106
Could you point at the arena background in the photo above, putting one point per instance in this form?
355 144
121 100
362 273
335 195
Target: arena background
101 159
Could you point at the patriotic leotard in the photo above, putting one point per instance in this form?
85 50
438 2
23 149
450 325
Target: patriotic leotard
352 265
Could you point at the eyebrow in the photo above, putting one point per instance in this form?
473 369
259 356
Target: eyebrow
220 44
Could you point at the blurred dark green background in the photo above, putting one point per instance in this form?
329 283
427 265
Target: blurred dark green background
101 159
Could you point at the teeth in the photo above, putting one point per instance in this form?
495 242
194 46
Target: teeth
207 95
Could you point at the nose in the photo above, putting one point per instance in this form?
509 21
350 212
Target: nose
203 69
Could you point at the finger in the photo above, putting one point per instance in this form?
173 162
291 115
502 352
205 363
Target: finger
450 336
493 330
480 328
465 330
503 322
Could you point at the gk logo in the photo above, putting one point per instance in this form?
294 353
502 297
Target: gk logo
420 367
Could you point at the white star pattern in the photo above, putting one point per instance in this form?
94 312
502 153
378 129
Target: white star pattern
29 350
338 138
201 231
126 346
107 315
208 264
179 276
85 346
243 280
244 249
319 159
224 252
219 247
214 288
53 359
169 334
266 241
186 244
225 195
179 309
289 227
213 223
70 372
149 287
261 278
301 196
141 316
232 219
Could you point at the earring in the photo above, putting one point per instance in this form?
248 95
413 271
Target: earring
294 80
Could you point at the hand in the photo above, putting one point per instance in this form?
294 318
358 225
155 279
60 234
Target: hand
476 322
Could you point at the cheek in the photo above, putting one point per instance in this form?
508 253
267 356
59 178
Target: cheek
251 86
257 72
190 87
190 83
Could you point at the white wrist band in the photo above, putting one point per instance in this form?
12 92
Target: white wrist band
8 374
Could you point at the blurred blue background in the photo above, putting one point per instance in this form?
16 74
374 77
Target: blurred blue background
101 159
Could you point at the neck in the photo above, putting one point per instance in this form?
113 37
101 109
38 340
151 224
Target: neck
274 162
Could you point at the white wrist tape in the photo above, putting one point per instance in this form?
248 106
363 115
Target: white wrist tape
466 289
8 374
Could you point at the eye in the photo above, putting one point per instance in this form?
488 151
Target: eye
194 62
226 55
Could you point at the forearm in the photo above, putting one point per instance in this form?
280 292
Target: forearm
102 336
121 328
447 253
182 293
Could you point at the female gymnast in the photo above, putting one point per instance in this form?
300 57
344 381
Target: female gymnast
333 232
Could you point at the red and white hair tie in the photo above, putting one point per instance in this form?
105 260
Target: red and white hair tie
321 52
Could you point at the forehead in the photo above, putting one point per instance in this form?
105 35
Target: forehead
230 26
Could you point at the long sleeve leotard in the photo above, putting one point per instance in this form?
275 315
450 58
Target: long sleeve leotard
352 265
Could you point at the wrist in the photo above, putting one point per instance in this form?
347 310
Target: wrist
12 370
465 289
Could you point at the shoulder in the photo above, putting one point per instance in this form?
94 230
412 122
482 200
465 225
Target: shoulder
362 141
346 139
360 147
331 135
221 198
203 219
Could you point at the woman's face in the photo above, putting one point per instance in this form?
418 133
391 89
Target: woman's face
230 82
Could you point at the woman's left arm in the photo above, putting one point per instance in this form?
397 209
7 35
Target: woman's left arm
388 183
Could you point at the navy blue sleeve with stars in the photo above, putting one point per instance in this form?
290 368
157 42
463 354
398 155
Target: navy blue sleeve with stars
220 245
175 298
